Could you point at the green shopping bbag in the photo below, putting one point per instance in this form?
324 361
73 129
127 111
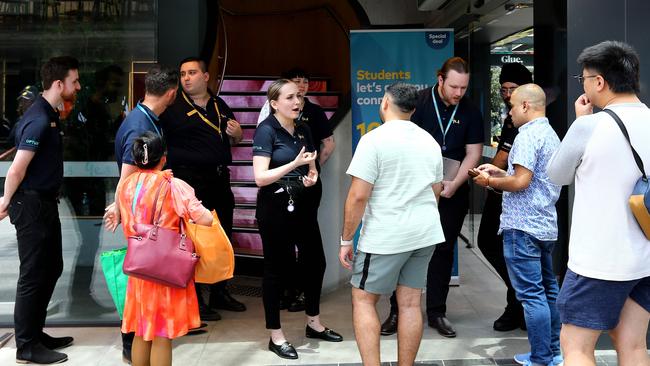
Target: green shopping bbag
116 280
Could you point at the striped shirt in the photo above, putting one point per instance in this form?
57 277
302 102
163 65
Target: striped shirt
402 161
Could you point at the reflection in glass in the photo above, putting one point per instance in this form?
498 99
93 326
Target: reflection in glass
106 36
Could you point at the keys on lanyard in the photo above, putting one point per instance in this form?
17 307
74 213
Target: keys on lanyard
290 206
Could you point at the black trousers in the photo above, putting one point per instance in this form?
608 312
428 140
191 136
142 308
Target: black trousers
281 232
295 285
452 214
38 230
491 245
212 187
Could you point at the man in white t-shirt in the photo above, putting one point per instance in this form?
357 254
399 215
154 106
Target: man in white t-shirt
396 173
607 285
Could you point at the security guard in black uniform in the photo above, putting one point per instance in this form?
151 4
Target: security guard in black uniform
200 129
30 199
489 241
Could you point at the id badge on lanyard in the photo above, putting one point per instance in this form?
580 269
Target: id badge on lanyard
443 130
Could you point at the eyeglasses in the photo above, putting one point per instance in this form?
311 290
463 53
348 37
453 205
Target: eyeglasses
508 90
581 79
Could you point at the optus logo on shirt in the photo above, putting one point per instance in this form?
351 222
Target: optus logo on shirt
31 142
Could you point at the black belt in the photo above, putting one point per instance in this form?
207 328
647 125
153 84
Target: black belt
53 196
290 179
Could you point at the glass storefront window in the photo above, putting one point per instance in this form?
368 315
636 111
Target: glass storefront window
107 37
518 47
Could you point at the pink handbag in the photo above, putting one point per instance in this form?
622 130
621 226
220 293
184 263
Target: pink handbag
158 254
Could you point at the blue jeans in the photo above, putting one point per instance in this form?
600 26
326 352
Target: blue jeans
530 267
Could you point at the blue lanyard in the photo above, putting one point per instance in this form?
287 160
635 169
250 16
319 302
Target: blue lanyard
141 108
451 119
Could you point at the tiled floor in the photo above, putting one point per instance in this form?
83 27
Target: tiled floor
240 338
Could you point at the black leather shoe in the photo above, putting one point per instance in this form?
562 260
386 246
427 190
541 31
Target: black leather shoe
208 314
326 335
285 350
298 304
38 354
54 343
390 325
443 326
226 302
509 320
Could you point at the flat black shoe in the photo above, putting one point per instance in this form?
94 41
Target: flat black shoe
197 330
326 335
226 302
54 343
285 350
443 326
508 321
207 314
390 325
297 305
38 354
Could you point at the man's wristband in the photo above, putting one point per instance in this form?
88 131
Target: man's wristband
345 242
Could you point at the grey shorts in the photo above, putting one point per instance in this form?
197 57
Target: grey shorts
382 273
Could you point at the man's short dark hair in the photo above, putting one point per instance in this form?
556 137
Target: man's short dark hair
617 62
295 72
159 80
57 68
202 65
404 96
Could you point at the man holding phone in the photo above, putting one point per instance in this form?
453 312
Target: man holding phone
529 222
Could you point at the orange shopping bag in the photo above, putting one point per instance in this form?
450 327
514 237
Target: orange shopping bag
217 261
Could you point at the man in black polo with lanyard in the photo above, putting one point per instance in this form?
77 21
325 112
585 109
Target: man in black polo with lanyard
31 200
457 126
200 129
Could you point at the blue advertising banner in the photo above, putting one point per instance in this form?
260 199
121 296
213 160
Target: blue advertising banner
382 57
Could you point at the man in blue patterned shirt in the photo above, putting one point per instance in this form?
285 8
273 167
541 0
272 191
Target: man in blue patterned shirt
529 222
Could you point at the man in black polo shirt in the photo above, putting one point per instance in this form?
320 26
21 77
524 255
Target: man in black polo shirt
457 126
489 241
200 129
30 199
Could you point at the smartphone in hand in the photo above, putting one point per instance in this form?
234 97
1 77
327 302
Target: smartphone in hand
473 172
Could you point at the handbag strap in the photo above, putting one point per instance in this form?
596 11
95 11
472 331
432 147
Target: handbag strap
637 158
169 187
155 202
